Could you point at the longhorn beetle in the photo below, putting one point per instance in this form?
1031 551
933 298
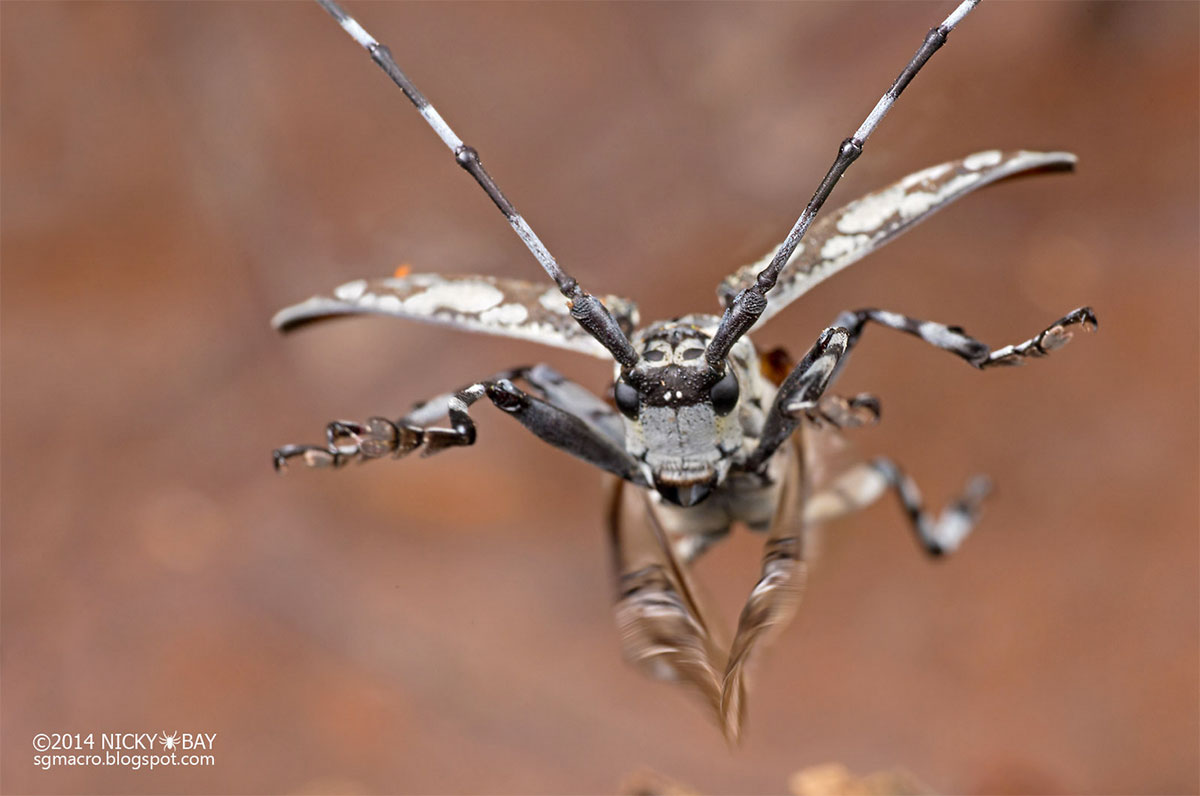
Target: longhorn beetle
701 436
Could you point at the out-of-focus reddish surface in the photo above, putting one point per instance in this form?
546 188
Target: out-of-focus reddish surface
174 173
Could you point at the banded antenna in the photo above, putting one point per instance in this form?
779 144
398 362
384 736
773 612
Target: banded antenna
586 309
750 303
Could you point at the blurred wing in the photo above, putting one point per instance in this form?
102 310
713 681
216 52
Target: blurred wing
664 630
854 231
492 305
772 603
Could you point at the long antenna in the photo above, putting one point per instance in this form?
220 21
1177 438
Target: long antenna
587 310
748 305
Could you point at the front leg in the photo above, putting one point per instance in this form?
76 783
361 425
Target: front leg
563 418
800 393
956 341
347 440
566 431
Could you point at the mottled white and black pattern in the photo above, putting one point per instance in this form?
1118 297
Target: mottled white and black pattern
488 304
698 436
685 445
863 484
561 412
847 235
955 340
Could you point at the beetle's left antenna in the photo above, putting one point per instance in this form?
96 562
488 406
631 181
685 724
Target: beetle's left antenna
587 310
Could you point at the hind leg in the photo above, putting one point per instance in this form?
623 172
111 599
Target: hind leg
862 485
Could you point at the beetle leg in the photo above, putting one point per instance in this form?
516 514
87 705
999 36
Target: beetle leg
568 417
799 394
862 485
956 341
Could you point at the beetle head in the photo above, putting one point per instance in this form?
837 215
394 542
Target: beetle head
682 418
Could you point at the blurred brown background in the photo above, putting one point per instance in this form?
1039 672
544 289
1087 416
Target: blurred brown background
174 173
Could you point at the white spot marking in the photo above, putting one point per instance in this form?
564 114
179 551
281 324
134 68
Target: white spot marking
863 486
891 318
981 159
351 291
958 184
554 301
842 245
939 335
869 213
931 173
952 528
916 203
467 297
505 314
388 303
1001 353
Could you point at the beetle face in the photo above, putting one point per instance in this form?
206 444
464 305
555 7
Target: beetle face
682 419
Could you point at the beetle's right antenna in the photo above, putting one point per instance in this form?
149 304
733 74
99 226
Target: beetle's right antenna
587 310
750 303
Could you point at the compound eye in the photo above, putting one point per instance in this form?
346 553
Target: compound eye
724 394
627 399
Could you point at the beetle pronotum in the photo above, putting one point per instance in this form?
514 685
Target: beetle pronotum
705 432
